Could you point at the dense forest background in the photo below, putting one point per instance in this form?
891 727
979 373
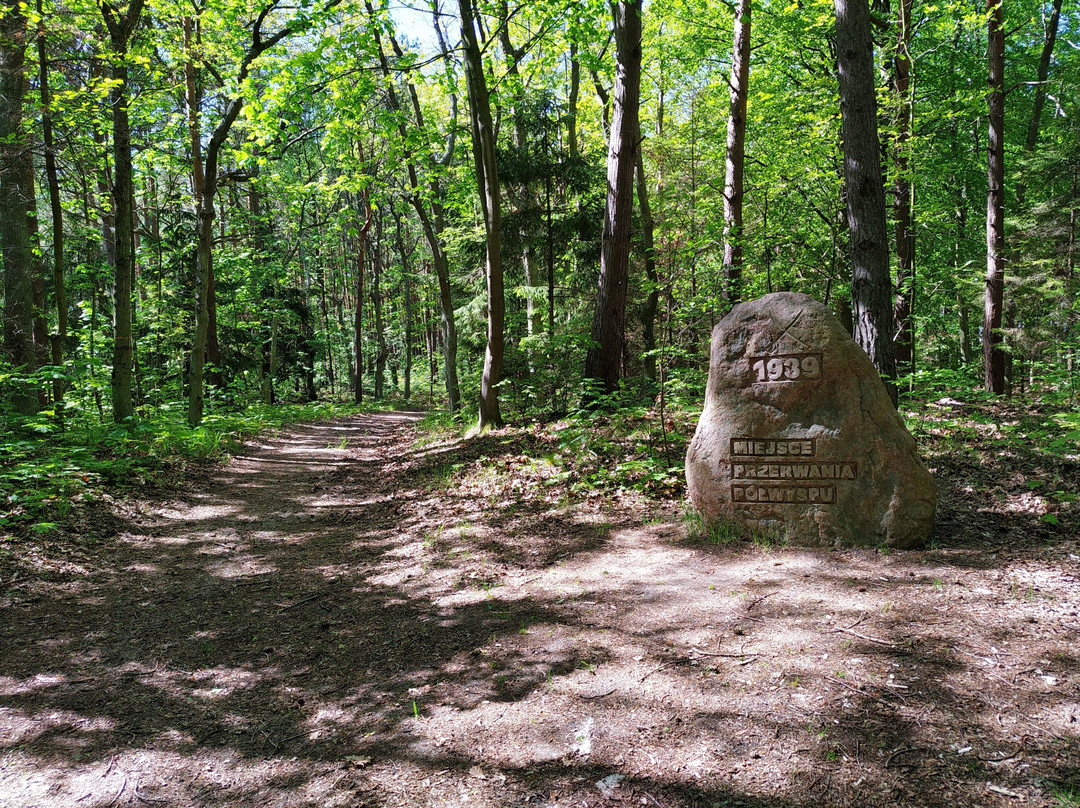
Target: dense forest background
212 204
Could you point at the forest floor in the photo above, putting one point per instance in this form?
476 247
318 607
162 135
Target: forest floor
351 614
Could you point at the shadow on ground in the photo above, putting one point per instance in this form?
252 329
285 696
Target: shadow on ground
339 618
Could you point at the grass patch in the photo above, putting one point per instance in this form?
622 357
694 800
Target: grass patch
44 470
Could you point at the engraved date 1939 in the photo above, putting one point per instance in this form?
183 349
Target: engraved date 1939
786 368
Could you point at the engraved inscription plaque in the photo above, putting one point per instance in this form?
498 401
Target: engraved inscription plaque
786 368
765 471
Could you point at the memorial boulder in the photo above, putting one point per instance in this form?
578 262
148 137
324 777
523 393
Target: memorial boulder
798 438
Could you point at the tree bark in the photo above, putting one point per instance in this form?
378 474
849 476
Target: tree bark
902 213
572 102
487 181
1039 101
120 29
381 352
206 211
406 281
56 210
871 286
430 213
736 153
604 358
358 312
993 299
15 235
652 300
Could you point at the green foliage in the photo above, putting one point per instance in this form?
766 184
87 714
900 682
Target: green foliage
323 133
1066 795
44 470
722 532
628 447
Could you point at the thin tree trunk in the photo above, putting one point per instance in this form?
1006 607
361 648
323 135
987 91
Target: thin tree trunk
572 102
381 352
324 310
902 213
406 280
358 312
871 287
487 181
432 222
37 268
736 153
966 353
214 376
1070 265
603 360
193 97
59 339
993 355
120 31
264 334
1039 101
652 300
204 229
104 183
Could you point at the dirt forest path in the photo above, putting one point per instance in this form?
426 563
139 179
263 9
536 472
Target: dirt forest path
344 615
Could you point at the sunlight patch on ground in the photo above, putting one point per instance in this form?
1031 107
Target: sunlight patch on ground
240 567
156 776
22 727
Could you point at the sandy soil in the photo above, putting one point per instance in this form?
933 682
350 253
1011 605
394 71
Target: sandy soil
346 616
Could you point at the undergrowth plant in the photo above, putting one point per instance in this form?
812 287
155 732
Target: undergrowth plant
48 465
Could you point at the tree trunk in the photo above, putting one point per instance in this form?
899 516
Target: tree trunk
871 286
264 334
104 182
603 360
120 31
406 281
204 228
432 221
358 312
15 238
324 310
381 352
736 153
966 353
652 300
572 102
487 181
993 355
905 230
1041 74
57 212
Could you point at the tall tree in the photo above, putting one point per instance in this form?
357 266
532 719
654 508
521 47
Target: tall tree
487 180
736 153
429 206
652 299
1039 101
604 359
871 286
16 180
206 212
993 298
121 26
905 230
382 352
358 311
55 207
